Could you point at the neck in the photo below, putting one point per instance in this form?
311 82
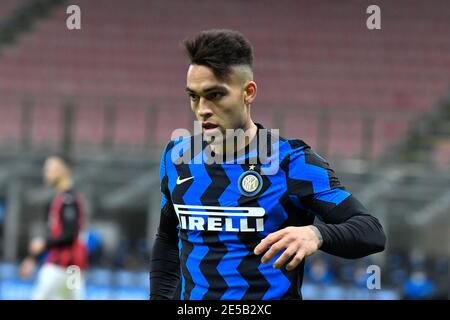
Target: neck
64 185
249 129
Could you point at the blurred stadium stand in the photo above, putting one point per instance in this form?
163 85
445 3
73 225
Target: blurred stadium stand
7 7
322 60
112 93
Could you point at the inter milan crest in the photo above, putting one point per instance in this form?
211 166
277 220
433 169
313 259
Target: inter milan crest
250 182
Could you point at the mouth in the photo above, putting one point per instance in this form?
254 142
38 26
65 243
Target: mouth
209 126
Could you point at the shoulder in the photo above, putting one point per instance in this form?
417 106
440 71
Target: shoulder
70 197
284 151
177 151
285 146
293 149
304 163
302 153
176 145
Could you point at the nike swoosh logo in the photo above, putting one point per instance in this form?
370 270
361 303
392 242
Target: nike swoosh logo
180 181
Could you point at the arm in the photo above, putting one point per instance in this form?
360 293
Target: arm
70 228
348 230
164 262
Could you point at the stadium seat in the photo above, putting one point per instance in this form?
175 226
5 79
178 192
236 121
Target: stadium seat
294 68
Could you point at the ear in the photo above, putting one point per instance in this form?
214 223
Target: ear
250 92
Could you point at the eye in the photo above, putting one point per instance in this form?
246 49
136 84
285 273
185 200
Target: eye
193 97
215 96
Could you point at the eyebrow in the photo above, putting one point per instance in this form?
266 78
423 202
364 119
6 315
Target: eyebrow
209 89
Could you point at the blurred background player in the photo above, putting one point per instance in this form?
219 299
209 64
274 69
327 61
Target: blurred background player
63 243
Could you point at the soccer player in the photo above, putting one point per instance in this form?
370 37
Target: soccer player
239 229
61 276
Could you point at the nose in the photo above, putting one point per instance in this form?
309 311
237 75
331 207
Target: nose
204 109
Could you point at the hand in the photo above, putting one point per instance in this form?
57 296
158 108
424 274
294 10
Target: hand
27 268
37 246
298 242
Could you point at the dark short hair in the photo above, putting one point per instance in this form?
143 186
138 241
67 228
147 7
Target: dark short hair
220 49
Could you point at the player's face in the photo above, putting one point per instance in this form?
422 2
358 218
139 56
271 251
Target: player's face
54 169
217 104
